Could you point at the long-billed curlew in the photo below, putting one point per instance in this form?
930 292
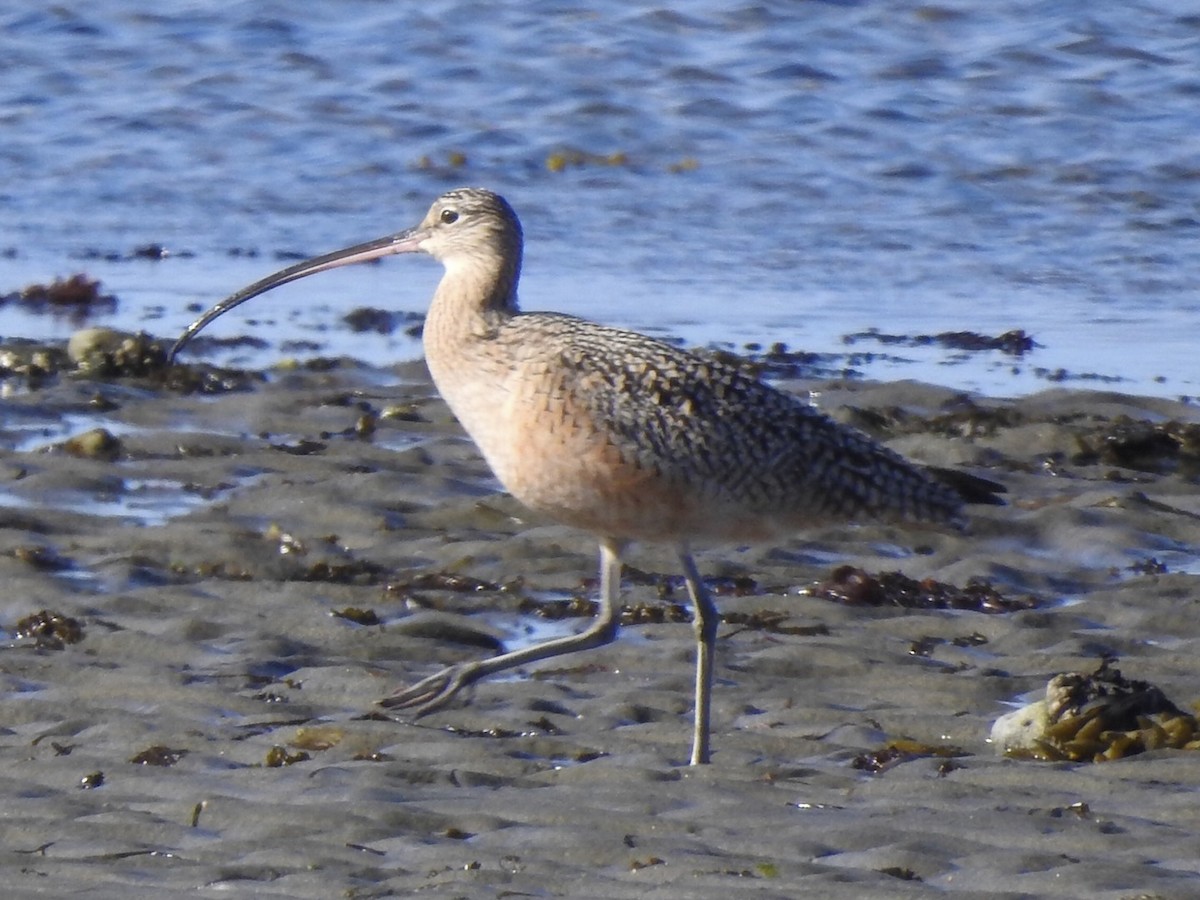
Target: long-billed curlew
619 434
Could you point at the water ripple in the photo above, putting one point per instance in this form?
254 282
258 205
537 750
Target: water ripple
818 168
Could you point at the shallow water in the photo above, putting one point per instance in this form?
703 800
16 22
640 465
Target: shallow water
787 172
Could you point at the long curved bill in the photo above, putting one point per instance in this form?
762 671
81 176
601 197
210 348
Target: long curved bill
403 242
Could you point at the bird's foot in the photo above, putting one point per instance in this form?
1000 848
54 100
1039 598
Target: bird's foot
434 692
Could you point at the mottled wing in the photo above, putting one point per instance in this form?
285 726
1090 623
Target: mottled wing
741 444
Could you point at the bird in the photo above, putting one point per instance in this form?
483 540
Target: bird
624 436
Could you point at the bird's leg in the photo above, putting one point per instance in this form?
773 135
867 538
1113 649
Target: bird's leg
437 690
705 623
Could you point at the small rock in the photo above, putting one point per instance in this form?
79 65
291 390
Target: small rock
99 443
87 342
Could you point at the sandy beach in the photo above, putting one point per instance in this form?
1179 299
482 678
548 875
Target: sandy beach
252 570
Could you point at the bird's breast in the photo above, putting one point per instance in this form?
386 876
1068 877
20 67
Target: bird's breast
537 426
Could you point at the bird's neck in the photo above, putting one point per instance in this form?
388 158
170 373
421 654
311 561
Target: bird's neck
472 299
470 307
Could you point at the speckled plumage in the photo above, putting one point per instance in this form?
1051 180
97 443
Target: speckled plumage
620 434
633 438
591 413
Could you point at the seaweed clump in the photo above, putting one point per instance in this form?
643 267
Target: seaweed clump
1158 447
853 586
50 630
77 296
1095 717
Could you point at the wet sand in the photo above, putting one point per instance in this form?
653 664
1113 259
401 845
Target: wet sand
207 554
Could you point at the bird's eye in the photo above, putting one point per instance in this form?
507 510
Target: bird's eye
449 216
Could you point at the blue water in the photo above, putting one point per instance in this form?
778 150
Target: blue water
789 171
